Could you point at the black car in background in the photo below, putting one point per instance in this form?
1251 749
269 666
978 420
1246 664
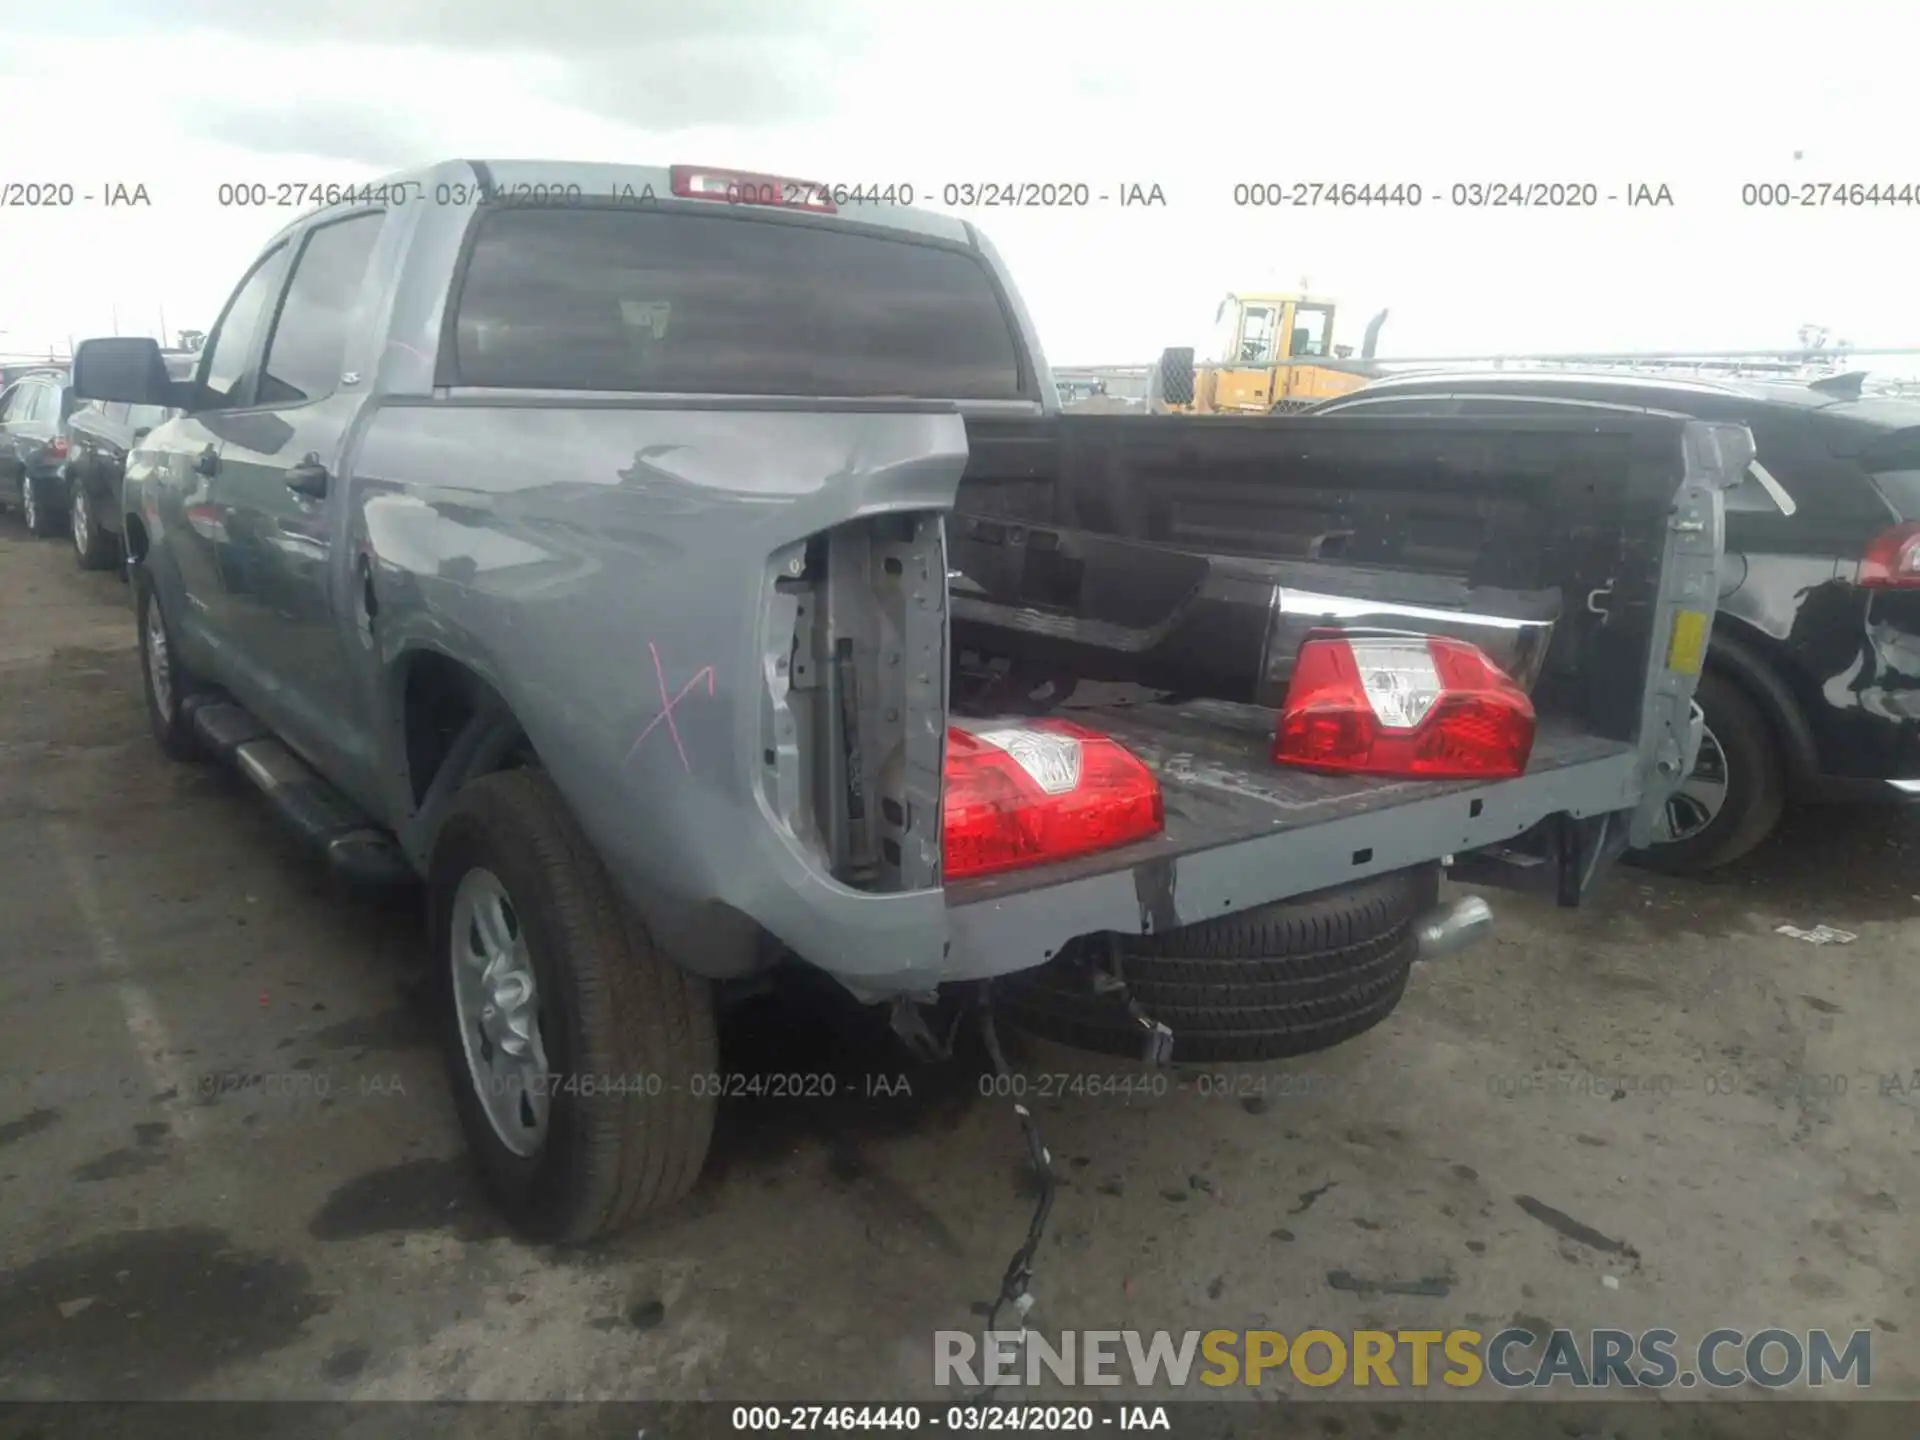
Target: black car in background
1812 683
34 411
100 435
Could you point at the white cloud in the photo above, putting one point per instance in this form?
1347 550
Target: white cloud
1193 98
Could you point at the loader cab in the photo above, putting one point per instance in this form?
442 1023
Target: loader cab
1259 330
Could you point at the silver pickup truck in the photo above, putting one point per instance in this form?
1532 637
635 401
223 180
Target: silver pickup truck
575 538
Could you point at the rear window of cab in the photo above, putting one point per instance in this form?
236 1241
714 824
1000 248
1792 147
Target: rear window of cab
668 302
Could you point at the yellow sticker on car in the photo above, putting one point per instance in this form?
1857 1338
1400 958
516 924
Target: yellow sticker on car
1689 646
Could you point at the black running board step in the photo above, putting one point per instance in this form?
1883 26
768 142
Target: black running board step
357 849
223 727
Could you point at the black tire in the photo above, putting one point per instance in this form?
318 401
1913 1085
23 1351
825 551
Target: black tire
38 507
609 1004
166 704
1756 785
1176 375
94 547
1286 979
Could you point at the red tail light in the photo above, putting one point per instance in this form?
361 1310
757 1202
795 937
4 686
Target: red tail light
1430 707
738 187
1892 561
57 448
1030 792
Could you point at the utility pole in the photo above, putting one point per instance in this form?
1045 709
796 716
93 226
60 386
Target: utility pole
163 327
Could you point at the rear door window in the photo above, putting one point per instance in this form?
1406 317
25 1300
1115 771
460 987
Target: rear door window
676 303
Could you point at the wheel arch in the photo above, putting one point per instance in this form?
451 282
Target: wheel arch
451 726
1738 660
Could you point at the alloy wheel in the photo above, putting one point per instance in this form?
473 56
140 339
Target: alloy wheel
496 1000
159 659
1700 798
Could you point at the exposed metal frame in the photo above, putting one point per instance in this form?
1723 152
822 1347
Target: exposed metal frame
1014 932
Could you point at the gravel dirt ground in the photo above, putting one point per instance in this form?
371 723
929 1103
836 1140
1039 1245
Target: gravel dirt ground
229 1165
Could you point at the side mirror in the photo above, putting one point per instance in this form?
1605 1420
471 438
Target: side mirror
142 433
123 368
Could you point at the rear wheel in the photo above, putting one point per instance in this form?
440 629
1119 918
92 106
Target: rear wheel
576 1050
1732 799
92 546
1284 979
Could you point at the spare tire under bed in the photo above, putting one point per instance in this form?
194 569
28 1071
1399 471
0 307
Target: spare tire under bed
1285 979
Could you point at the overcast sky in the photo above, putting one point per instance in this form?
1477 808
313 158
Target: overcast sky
181 95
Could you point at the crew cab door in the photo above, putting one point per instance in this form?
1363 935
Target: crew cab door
280 460
188 499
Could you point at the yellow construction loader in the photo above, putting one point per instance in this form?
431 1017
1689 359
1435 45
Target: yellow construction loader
1275 352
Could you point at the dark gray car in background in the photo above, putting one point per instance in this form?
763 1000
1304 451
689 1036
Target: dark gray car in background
34 411
100 435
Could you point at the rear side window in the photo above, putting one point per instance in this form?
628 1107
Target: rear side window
1901 489
685 304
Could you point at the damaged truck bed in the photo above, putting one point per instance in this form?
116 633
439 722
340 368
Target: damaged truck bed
1154 577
